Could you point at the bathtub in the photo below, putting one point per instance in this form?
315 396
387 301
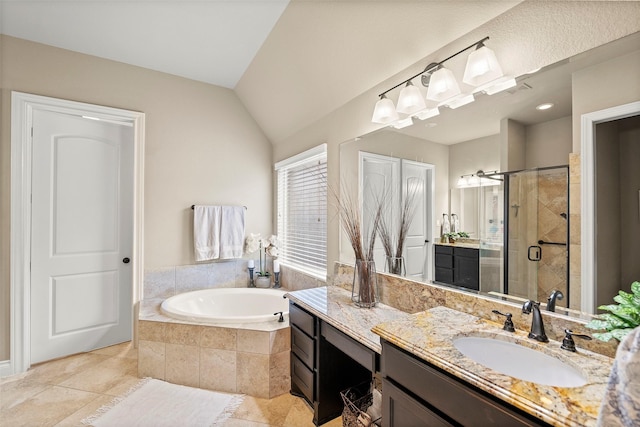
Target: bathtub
227 305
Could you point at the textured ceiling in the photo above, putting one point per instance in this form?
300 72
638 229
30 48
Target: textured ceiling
291 63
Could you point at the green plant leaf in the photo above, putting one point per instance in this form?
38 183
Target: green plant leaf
619 334
635 288
619 319
606 336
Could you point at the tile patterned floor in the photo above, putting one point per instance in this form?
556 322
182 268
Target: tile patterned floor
64 391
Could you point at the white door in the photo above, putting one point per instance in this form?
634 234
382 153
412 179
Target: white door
82 234
417 179
379 181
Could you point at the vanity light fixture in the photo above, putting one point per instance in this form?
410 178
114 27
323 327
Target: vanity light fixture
482 67
482 71
427 113
410 100
385 111
443 85
399 124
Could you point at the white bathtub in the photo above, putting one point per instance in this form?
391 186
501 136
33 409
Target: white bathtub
227 305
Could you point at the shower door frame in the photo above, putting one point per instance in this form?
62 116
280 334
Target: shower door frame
505 237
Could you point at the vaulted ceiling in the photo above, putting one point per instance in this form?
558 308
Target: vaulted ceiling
290 62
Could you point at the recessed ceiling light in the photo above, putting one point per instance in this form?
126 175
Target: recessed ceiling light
544 106
430 125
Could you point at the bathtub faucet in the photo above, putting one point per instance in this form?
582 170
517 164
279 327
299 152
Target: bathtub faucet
276 280
252 283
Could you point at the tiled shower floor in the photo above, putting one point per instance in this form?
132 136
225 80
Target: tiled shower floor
64 391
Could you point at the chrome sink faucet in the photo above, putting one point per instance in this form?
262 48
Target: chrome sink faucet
537 326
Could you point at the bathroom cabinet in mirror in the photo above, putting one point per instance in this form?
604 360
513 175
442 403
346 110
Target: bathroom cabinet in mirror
504 132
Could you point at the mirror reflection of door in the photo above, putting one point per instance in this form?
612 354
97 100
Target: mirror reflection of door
391 180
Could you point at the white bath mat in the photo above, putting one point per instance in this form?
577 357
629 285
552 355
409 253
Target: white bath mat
155 403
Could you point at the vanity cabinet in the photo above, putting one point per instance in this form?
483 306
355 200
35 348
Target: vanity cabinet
324 362
457 266
416 393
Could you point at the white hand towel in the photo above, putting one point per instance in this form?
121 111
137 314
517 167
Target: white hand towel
206 232
232 232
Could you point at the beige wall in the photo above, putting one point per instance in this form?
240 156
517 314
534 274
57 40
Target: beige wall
201 144
474 155
602 86
530 35
548 143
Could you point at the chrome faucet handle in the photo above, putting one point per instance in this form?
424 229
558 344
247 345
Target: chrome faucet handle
281 318
508 323
568 343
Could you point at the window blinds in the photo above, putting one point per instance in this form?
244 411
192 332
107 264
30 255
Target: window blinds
302 211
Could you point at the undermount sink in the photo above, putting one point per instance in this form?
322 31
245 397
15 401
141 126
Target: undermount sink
520 362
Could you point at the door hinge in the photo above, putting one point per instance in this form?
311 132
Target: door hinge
32 132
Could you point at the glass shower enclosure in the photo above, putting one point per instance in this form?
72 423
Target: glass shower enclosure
524 234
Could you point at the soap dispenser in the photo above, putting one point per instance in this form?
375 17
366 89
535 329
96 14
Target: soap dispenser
446 225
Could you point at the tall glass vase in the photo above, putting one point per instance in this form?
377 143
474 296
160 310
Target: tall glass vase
364 292
395 265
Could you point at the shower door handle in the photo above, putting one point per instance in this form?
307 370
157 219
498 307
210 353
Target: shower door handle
534 253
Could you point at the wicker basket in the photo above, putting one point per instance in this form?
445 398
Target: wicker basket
357 400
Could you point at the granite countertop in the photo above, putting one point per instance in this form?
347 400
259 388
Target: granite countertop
333 305
460 245
429 336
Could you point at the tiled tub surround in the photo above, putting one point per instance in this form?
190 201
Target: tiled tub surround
429 335
169 281
413 297
238 358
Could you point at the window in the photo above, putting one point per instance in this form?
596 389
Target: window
302 211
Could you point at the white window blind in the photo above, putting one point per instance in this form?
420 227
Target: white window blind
302 211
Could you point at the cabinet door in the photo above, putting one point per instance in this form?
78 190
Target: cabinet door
401 410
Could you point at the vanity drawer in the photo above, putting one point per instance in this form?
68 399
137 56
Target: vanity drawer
444 261
301 378
401 410
466 252
443 249
302 320
352 348
446 393
302 345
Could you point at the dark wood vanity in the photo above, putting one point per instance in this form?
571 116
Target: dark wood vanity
415 393
324 362
457 266
425 381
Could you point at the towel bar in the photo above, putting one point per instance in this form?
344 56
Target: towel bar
193 206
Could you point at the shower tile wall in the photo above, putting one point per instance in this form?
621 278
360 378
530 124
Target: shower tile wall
552 227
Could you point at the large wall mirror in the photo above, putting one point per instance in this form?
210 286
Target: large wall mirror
525 154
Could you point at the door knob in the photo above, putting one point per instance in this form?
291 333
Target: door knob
126 260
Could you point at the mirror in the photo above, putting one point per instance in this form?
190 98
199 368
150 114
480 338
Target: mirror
471 138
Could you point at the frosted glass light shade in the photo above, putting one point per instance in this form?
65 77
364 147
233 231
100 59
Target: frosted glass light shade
384 112
482 67
442 86
410 100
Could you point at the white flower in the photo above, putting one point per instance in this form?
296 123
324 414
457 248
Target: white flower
273 240
272 251
252 243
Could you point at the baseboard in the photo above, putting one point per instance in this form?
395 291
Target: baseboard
5 368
